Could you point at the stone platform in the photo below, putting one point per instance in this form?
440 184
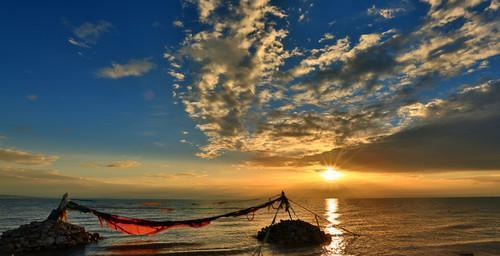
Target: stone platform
294 233
48 234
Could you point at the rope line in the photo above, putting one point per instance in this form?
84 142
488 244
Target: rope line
325 219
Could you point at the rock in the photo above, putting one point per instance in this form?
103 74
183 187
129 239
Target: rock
60 239
49 240
43 235
293 233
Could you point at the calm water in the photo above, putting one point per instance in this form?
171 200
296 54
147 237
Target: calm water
389 226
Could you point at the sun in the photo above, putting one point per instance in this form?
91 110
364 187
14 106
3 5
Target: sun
331 174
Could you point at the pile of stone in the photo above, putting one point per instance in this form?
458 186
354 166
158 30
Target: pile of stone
293 233
48 234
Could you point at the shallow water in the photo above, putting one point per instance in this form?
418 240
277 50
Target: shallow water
444 226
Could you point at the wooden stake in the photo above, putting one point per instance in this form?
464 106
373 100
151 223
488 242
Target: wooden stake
57 213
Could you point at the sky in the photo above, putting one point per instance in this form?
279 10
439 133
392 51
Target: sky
233 99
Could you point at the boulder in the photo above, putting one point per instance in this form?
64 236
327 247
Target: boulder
48 234
294 233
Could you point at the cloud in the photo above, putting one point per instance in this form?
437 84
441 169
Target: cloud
302 17
457 133
178 76
470 144
187 175
494 5
78 43
48 182
483 178
386 13
24 173
178 24
250 92
304 11
206 7
32 97
239 59
326 37
159 144
134 67
26 158
124 164
51 183
90 32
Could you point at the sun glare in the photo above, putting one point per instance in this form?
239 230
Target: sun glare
331 174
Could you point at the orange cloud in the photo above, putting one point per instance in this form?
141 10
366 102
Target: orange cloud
26 158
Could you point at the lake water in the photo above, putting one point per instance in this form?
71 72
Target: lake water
444 226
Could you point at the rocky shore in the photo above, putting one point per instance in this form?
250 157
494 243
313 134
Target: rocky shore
293 233
48 234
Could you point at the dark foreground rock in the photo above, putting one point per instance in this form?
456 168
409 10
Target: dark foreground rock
49 234
293 233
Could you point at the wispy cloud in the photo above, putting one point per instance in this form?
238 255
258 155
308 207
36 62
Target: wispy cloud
26 158
187 175
25 173
89 33
124 164
178 23
134 67
48 182
78 43
121 164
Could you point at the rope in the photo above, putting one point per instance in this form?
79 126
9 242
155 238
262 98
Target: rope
251 218
294 214
325 219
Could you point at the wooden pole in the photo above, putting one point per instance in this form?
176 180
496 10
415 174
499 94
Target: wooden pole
57 213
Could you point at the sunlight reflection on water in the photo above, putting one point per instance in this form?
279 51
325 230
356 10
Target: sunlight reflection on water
336 246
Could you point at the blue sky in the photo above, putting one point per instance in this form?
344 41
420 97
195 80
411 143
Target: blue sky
74 104
220 88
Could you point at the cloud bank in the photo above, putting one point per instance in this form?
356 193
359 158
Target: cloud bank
457 133
249 90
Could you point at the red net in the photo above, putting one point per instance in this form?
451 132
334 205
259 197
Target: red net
136 226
